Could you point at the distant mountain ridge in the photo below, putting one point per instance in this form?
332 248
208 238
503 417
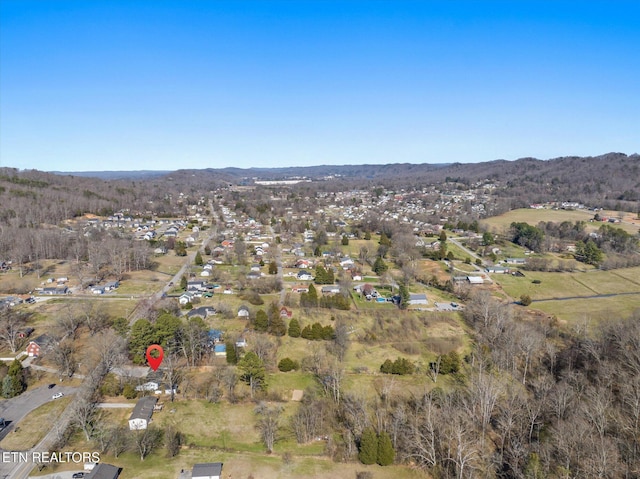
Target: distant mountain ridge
115 175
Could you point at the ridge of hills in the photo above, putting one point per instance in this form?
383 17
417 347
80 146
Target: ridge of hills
610 181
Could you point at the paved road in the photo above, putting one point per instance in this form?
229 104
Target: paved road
15 409
458 243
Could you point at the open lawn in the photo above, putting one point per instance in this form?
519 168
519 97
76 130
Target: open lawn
594 309
241 465
500 224
584 291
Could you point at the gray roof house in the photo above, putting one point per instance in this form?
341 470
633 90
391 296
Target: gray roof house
208 470
103 471
141 415
417 298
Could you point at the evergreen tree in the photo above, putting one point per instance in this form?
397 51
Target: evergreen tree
294 328
312 296
253 371
7 387
404 296
379 266
345 240
316 331
368 453
277 327
328 333
142 335
232 354
387 367
367 235
402 366
386 454
307 333
183 282
273 268
166 328
384 240
198 259
450 363
262 321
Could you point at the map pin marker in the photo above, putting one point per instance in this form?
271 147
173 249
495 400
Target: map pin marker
154 362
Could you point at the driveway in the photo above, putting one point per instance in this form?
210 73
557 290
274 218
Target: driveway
61 475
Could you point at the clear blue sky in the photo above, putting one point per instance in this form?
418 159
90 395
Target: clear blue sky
125 85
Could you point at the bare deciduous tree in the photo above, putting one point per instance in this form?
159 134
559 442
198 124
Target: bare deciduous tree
268 424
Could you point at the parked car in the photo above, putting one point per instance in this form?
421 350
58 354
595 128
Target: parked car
78 475
57 395
51 386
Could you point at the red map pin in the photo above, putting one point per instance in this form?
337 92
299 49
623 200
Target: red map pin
154 362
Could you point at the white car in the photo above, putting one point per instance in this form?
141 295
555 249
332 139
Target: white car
57 395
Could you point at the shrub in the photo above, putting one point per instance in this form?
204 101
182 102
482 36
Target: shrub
288 364
129 391
525 300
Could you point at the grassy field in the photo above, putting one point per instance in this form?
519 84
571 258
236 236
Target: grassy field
592 310
241 465
500 224
583 289
29 431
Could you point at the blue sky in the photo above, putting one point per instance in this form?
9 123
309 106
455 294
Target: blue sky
127 85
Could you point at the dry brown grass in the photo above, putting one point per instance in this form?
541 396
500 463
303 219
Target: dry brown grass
28 432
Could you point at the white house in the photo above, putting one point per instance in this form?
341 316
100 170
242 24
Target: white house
149 386
142 412
185 298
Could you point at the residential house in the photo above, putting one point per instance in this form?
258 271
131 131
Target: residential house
55 290
285 313
209 470
148 386
304 275
220 350
186 298
417 298
104 471
243 312
331 289
516 261
496 269
37 346
475 279
202 312
196 286
142 412
300 288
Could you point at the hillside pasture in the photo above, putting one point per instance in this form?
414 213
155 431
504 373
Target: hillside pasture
500 224
571 296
